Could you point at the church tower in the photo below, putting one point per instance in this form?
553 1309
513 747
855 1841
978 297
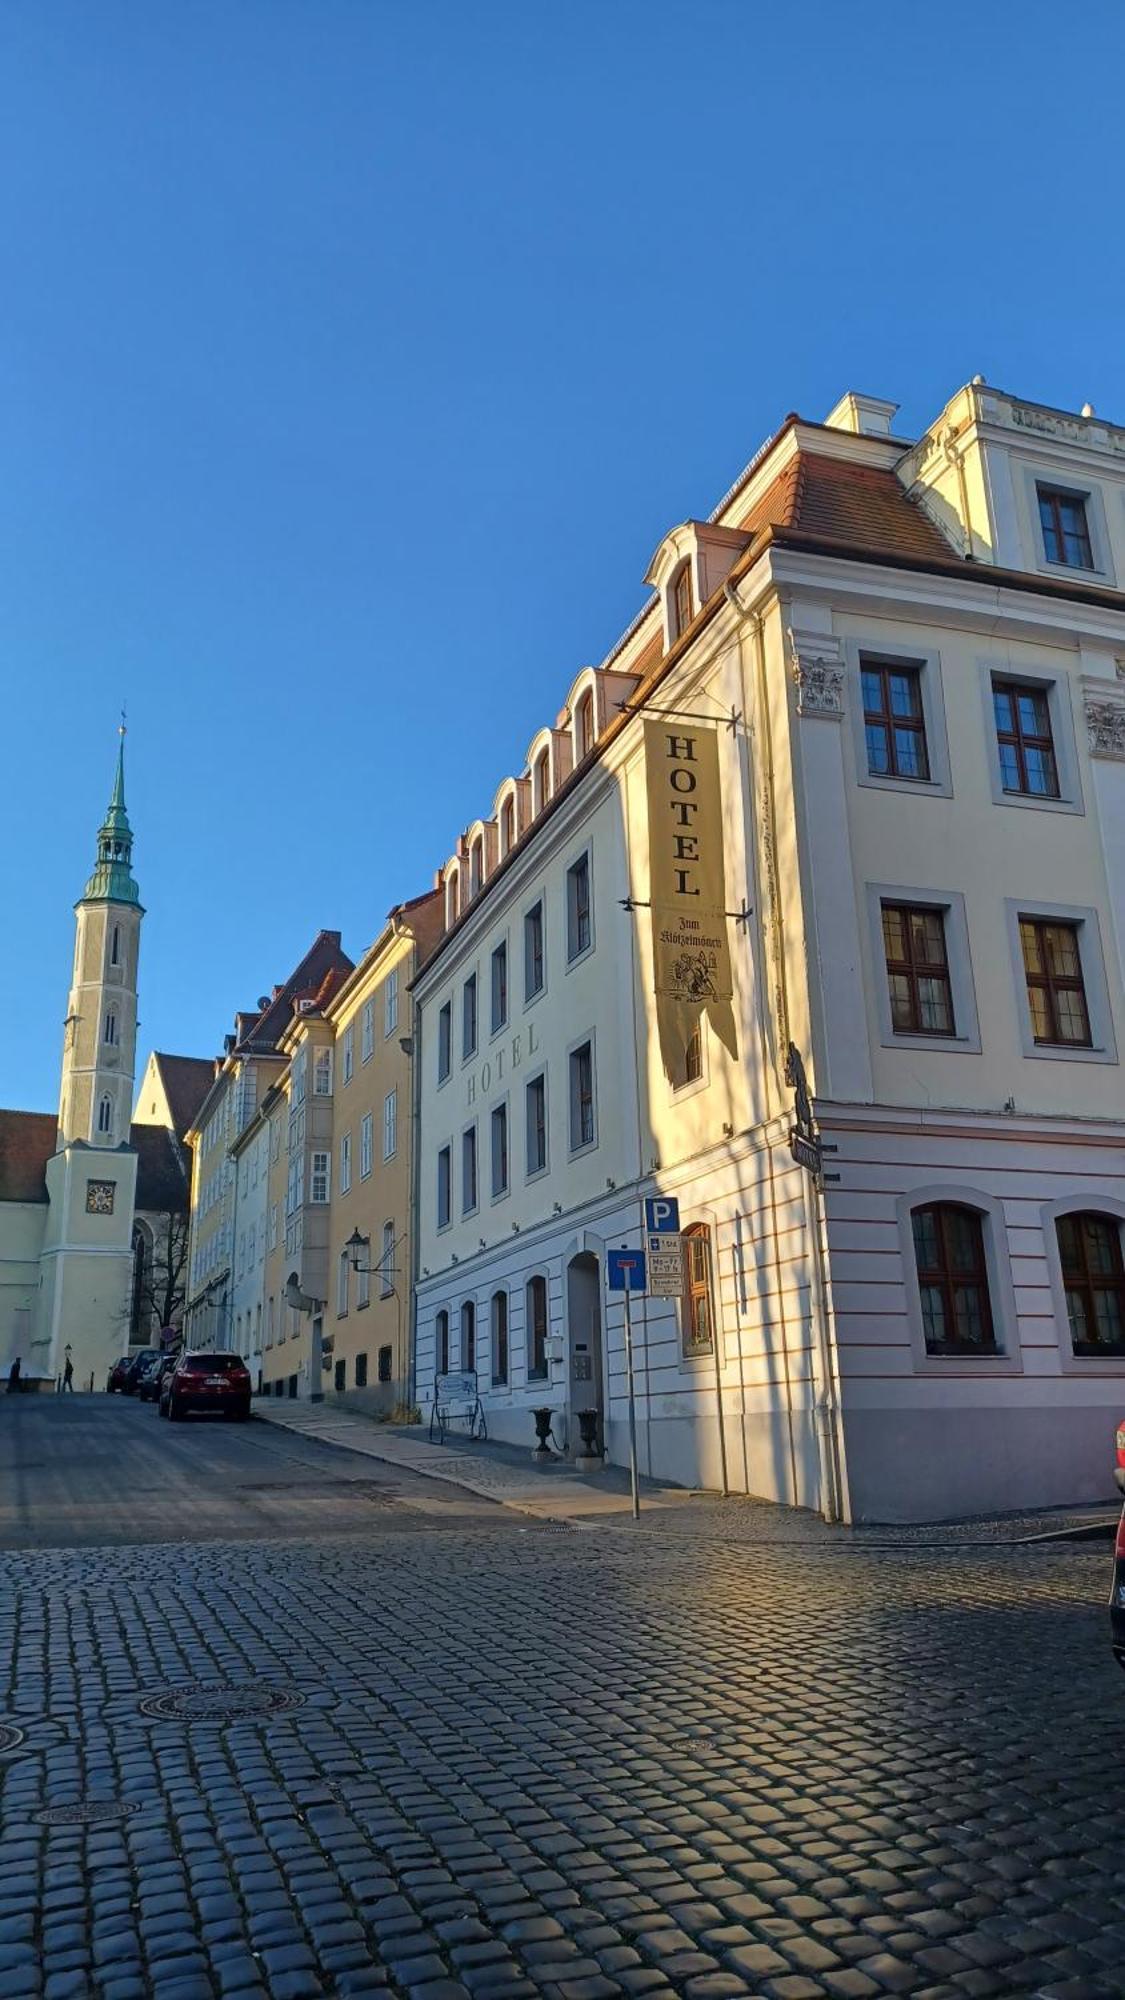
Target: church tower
86 1263
100 1036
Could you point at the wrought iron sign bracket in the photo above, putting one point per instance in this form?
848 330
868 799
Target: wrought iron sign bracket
742 916
733 721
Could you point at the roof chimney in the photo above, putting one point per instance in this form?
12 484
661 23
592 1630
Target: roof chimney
869 416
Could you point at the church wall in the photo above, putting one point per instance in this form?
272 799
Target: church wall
87 1262
21 1240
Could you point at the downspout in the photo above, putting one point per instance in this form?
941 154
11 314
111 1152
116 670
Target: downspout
826 1411
415 1192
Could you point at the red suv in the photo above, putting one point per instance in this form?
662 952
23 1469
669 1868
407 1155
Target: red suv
215 1382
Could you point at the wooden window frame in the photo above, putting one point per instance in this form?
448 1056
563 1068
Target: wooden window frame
1051 984
913 970
945 1278
468 1355
1082 1280
585 731
1051 500
699 1287
441 1341
498 986
885 718
538 1327
498 1339
579 908
1020 741
683 598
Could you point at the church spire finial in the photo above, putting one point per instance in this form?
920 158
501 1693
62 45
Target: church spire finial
112 879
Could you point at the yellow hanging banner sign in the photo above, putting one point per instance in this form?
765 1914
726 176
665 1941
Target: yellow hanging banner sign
690 941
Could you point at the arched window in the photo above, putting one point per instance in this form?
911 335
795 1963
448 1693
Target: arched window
541 779
699 1308
468 1336
452 896
949 1252
584 726
476 866
536 1329
508 824
1094 1281
682 608
441 1343
115 945
105 1116
110 1031
499 1338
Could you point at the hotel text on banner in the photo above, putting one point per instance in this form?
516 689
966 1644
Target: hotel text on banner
690 941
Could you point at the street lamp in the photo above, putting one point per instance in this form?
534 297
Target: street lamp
355 1246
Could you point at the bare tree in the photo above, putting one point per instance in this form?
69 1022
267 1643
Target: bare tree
158 1290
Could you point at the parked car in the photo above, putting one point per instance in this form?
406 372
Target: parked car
1119 1468
146 1377
118 1373
202 1382
152 1388
137 1361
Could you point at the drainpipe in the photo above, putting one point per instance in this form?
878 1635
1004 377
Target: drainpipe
415 1188
757 713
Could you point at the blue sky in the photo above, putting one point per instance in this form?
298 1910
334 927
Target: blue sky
354 357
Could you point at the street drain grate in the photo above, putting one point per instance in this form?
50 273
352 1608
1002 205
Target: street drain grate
10 1736
218 1701
86 1812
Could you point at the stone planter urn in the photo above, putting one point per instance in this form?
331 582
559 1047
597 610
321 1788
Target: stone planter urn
542 1432
588 1431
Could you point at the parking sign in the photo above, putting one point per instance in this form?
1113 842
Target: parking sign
662 1215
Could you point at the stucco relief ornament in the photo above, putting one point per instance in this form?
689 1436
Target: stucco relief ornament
1105 722
819 683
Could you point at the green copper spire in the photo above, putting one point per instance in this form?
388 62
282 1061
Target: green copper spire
112 879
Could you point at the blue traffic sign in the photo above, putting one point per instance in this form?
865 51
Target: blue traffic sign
625 1270
662 1215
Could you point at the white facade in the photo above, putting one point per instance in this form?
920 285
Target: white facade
250 1181
819 591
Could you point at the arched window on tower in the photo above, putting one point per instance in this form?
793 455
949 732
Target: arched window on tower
115 946
110 1035
105 1117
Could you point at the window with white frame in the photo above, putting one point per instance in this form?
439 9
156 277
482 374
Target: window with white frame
579 933
499 1130
469 1017
499 982
536 1098
390 1003
387 1262
320 1178
468 1170
343 1283
349 1053
367 1031
295 1184
322 1073
583 1131
366 1145
390 1124
533 959
445 1041
345 1162
444 1187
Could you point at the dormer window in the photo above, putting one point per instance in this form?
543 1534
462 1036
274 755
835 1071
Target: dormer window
584 725
452 896
1066 530
508 824
476 866
541 780
682 607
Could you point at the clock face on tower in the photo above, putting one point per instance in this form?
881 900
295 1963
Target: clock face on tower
99 1197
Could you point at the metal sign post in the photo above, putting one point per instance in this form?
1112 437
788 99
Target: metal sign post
625 1272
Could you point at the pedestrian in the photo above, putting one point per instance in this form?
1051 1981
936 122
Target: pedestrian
14 1377
68 1372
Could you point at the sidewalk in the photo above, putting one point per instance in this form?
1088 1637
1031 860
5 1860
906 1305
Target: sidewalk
551 1490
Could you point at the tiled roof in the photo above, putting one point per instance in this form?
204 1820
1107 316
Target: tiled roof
323 956
162 1180
186 1080
27 1141
863 506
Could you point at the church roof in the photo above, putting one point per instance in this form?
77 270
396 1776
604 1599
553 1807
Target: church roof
186 1081
162 1175
27 1141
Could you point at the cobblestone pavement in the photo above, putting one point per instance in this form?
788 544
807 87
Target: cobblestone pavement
506 1759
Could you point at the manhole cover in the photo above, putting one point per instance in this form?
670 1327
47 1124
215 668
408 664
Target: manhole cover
10 1736
86 1812
217 1701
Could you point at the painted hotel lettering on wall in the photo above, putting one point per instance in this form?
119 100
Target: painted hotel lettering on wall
496 1066
687 888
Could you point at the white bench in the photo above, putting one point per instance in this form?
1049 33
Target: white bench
456 1401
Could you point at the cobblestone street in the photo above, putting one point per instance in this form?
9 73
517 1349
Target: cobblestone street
411 1741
